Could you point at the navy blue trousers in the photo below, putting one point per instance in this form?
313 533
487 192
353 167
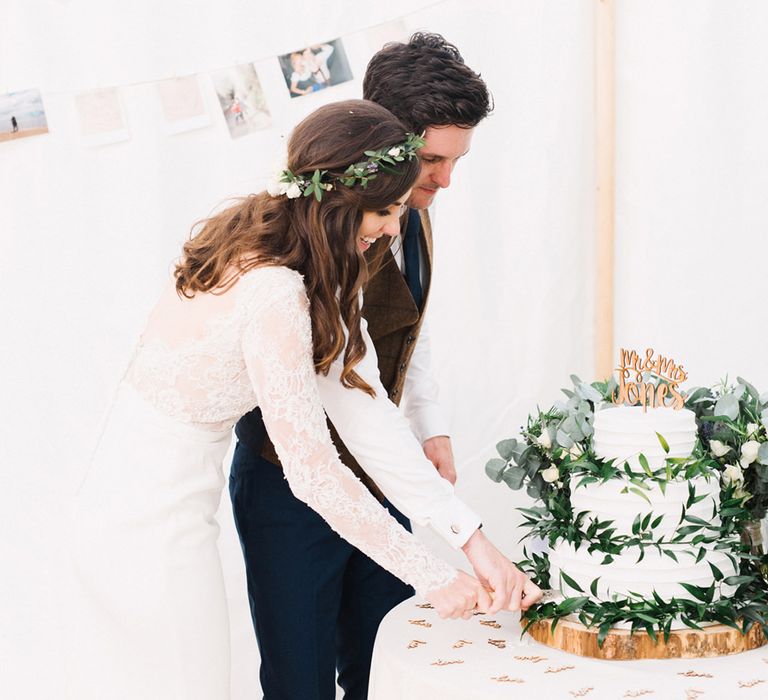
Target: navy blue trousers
316 601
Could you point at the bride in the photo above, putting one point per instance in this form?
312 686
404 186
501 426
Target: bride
266 298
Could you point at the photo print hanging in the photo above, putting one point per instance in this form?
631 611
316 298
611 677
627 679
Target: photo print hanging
315 67
242 100
22 114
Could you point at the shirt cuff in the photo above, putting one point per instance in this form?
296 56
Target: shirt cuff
427 422
455 523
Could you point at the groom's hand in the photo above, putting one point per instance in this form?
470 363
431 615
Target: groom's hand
438 451
512 590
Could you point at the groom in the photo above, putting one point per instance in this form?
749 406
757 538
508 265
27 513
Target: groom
333 597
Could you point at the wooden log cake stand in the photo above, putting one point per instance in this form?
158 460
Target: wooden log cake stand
620 645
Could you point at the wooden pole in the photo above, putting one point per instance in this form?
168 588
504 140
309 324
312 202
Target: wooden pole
605 145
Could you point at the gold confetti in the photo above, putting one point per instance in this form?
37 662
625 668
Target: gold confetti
532 659
415 643
498 643
506 679
461 643
750 684
491 623
425 606
420 623
559 669
693 694
581 693
638 693
440 662
693 674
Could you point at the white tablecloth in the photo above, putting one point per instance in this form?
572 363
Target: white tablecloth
418 656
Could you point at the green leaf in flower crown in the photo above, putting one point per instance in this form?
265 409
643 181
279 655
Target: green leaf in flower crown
514 477
762 453
506 448
728 406
494 469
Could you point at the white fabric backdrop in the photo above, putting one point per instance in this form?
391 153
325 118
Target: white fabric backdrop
692 177
88 234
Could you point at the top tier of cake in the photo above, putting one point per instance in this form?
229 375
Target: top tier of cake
622 433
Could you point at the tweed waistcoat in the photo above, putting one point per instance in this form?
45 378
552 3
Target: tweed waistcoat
394 322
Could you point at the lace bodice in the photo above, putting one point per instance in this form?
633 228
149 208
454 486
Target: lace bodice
207 361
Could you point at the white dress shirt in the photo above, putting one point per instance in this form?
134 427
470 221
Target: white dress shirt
420 403
379 437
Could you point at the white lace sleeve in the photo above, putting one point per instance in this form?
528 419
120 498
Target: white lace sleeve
277 345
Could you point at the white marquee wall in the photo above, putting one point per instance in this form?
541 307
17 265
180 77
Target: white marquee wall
88 234
692 177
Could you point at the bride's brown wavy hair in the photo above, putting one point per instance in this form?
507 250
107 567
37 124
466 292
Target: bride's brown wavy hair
317 239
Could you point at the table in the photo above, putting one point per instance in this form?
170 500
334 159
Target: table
418 656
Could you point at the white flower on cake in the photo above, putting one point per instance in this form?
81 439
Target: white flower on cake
718 448
293 191
550 475
752 429
733 474
576 451
544 440
749 452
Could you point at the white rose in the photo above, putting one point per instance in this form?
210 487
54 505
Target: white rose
293 190
739 492
276 187
733 475
749 452
718 448
544 440
551 474
576 451
394 152
752 429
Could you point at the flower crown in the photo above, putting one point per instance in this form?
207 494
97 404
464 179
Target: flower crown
383 160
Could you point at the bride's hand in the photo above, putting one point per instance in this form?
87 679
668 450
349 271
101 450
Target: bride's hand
461 598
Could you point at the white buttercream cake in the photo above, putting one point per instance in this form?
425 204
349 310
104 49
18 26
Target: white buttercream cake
621 434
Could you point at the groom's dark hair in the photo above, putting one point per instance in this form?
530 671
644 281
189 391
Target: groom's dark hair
426 83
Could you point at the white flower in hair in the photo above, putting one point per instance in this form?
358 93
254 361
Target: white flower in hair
276 187
293 190
394 151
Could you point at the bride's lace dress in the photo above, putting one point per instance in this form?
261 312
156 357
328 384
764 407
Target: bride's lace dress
153 619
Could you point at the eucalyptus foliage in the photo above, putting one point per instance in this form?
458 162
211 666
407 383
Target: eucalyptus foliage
554 455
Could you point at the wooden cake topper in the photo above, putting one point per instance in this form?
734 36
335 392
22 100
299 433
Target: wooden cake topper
633 388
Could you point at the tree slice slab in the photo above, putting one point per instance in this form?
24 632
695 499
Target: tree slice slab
620 645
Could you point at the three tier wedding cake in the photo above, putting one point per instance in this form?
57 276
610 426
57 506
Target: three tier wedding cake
622 434
641 516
